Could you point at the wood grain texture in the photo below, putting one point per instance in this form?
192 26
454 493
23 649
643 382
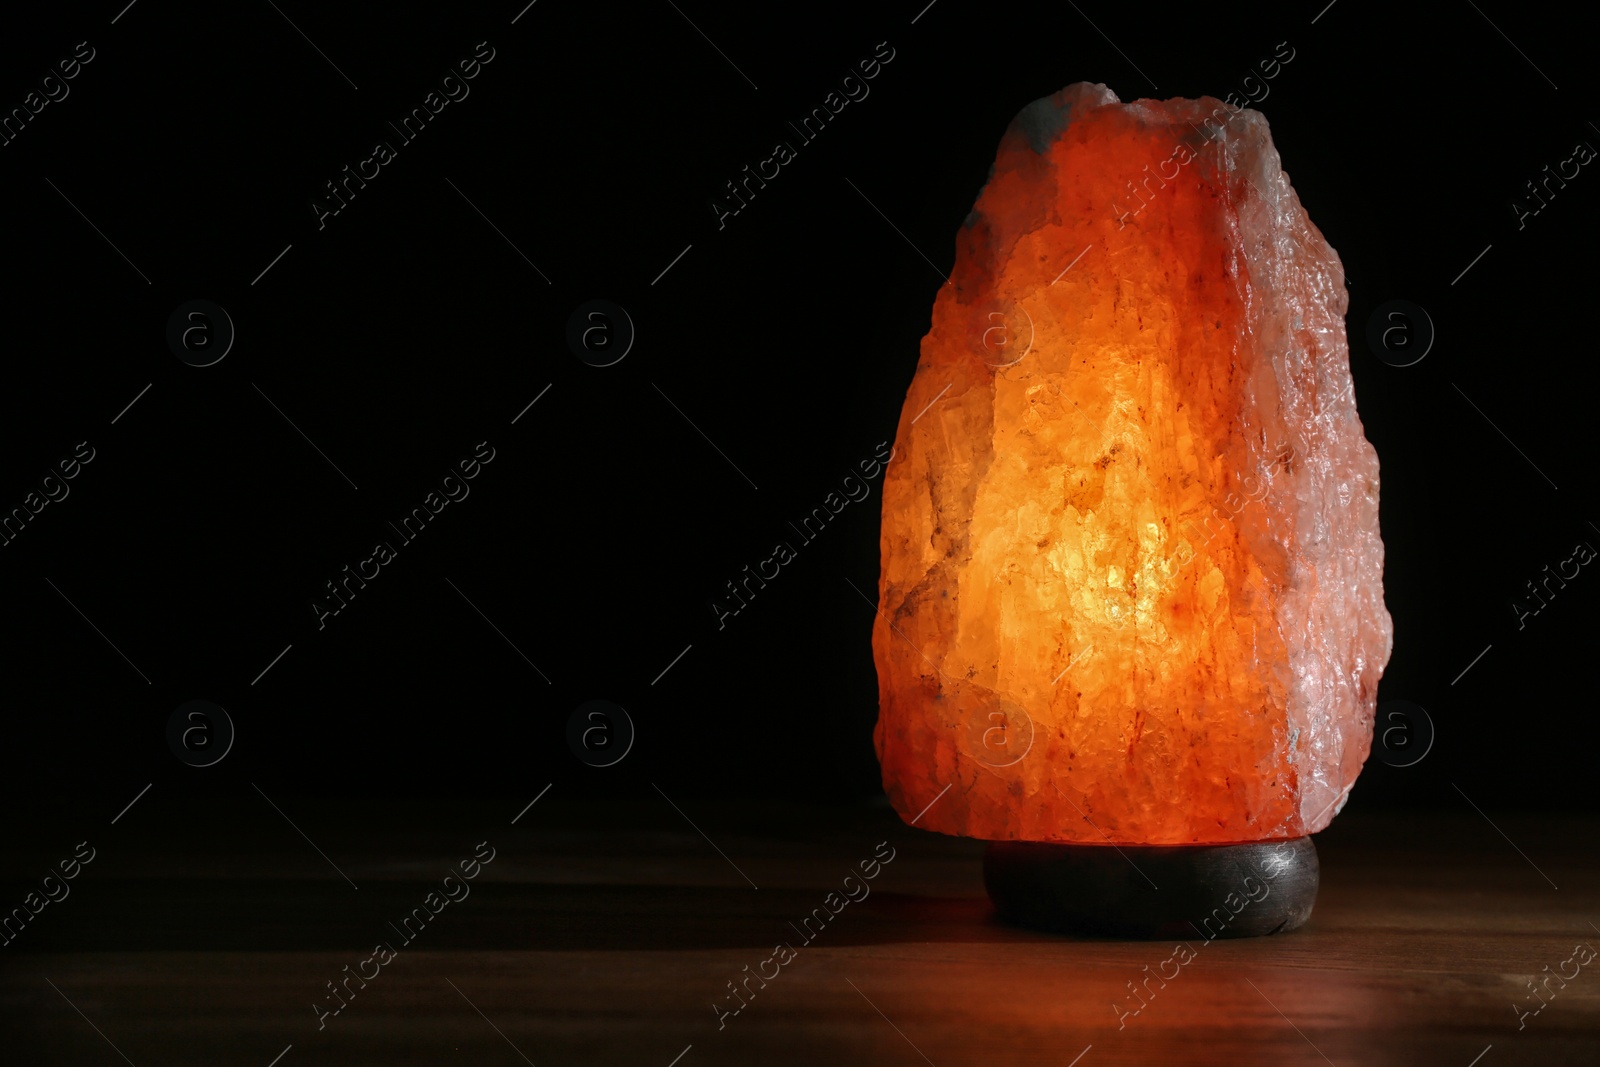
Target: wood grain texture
608 934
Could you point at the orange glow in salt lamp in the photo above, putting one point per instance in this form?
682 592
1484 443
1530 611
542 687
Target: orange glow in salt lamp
1132 578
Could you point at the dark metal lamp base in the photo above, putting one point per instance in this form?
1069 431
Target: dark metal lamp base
1154 891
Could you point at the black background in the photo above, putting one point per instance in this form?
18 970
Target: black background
407 330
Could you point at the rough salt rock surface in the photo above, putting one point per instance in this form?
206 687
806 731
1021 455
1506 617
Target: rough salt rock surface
1132 577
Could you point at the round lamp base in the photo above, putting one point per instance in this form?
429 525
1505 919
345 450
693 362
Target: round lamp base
1154 891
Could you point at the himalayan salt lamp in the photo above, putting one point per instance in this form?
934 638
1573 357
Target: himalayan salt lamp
1132 619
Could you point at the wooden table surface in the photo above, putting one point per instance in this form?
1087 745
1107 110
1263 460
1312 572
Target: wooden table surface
605 933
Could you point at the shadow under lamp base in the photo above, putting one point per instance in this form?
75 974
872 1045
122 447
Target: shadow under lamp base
1154 891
